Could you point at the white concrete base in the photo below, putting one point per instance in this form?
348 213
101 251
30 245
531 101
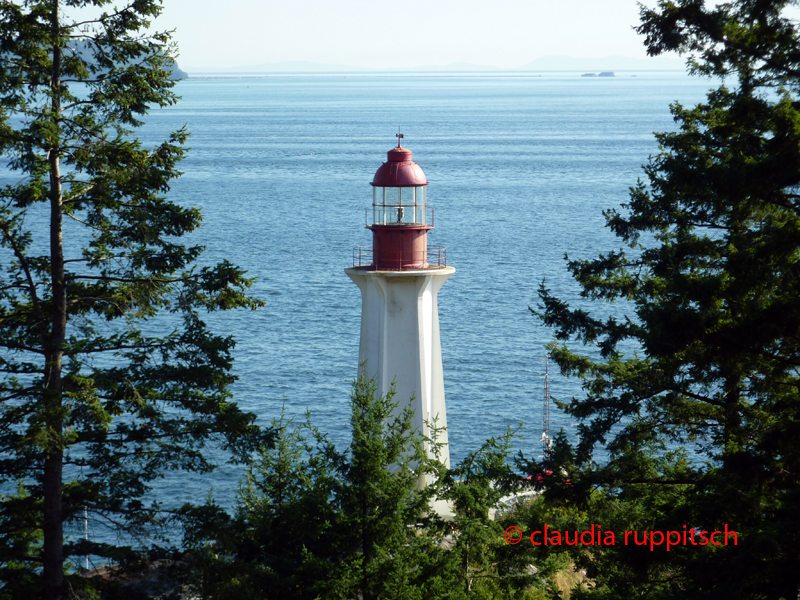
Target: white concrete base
400 340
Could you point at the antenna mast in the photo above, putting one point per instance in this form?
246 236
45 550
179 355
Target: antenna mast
547 443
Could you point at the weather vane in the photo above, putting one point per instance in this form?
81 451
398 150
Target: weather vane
399 136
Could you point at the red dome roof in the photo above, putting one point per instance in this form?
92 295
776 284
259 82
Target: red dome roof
399 170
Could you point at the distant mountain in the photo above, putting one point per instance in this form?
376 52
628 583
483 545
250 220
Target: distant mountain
608 63
546 63
294 66
304 66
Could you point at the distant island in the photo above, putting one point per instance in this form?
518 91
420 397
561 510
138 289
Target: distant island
602 74
85 52
178 73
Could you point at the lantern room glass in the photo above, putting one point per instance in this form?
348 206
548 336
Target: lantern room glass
399 205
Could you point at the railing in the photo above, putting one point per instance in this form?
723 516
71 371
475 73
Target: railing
362 256
400 215
436 258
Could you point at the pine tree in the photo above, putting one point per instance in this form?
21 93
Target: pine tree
482 563
109 376
316 522
380 503
703 350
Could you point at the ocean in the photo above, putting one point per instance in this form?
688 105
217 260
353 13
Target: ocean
520 169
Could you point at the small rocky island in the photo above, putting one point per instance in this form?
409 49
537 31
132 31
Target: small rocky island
601 74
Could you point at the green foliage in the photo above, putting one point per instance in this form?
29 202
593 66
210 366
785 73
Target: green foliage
314 522
108 374
707 355
485 565
18 543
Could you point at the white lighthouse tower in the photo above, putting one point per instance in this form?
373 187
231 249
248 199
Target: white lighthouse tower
399 281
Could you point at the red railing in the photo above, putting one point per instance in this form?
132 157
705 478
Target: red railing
436 259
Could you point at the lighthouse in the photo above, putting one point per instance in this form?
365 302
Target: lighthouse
399 277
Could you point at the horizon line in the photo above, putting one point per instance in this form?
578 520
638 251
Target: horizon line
459 65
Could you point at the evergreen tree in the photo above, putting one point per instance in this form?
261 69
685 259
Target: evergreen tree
277 544
703 349
483 562
382 504
109 376
314 522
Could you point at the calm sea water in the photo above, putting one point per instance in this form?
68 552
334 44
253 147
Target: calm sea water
519 167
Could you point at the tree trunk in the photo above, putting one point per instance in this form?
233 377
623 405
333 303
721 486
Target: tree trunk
53 551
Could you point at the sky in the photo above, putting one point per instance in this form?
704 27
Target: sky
381 34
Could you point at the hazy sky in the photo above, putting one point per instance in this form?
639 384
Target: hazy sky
404 33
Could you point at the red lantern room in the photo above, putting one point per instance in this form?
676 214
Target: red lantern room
400 214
